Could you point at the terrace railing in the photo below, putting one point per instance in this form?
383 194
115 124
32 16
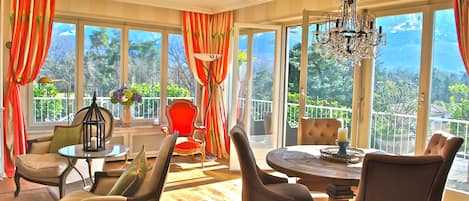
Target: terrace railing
393 133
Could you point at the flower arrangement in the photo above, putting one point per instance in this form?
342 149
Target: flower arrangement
125 96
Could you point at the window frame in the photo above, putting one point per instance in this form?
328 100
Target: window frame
79 66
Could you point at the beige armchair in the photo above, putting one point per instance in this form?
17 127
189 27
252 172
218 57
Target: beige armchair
318 131
150 189
42 164
444 145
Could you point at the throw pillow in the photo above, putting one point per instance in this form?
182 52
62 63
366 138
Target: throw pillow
133 176
64 136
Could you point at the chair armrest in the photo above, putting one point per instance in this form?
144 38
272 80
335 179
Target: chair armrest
106 198
270 179
199 133
104 181
164 129
39 145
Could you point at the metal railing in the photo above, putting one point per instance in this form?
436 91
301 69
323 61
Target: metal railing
393 133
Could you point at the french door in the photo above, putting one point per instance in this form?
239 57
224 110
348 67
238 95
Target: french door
255 92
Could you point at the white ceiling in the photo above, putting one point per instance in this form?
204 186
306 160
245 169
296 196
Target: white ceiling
202 6
217 6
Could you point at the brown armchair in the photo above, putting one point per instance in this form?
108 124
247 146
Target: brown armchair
258 185
151 188
318 131
446 146
41 165
403 178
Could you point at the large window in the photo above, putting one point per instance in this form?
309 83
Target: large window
144 70
50 101
329 84
450 95
397 65
102 64
181 82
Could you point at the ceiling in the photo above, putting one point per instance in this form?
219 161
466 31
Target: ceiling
217 6
202 6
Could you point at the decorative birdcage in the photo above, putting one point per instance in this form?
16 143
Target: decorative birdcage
94 128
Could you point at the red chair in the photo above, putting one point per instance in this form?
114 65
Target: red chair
182 115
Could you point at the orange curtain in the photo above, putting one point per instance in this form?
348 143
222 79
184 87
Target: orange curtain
31 24
461 15
210 34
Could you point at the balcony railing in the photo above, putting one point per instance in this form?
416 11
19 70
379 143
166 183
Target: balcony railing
393 133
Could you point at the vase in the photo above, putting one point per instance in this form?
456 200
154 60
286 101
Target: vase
126 117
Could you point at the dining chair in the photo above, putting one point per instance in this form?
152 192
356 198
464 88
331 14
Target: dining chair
150 188
258 185
42 164
318 131
445 145
403 178
182 115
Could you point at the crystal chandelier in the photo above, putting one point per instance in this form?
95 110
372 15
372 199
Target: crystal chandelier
348 36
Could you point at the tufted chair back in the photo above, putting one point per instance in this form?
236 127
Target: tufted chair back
445 145
318 131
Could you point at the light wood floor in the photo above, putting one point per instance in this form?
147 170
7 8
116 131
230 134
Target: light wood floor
186 181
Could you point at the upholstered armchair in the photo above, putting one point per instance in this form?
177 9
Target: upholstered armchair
258 185
150 187
318 131
182 115
42 164
445 145
403 178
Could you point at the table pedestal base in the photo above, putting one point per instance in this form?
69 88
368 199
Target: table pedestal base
339 192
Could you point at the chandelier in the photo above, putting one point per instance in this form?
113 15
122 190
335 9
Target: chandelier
348 36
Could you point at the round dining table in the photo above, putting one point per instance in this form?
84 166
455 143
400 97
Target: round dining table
304 162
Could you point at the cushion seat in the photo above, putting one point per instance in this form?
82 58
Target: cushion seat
297 192
50 165
187 145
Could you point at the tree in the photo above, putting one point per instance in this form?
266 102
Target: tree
326 80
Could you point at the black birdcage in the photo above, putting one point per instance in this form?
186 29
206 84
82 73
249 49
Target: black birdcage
94 128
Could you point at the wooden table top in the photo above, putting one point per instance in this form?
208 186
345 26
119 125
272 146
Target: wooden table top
304 161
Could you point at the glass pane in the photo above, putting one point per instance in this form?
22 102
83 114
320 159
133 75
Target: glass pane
242 70
450 95
102 61
329 87
144 64
181 82
293 60
396 82
263 63
50 99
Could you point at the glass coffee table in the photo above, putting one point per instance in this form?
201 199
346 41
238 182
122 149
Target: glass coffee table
73 152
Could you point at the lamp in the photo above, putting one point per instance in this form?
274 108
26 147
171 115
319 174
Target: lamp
48 80
208 58
348 36
94 127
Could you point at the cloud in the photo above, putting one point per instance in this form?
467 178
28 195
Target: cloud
68 33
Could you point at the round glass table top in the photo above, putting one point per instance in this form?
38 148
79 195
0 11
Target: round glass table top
76 151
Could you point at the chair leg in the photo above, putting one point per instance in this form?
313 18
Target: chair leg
17 183
62 187
203 158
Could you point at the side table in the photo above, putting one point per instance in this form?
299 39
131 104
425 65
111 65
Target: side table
73 152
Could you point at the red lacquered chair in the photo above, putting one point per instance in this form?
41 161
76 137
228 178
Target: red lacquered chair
182 115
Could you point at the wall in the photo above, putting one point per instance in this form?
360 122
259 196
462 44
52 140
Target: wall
110 10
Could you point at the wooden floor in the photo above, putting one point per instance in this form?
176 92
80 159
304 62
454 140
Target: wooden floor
187 181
